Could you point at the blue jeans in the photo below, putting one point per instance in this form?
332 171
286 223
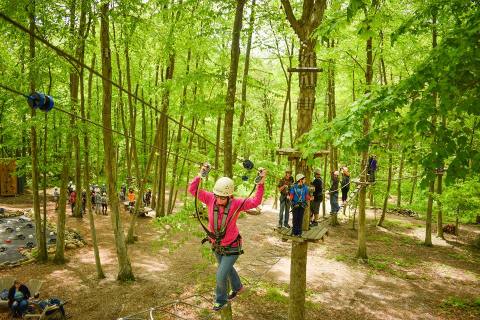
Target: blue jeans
284 214
334 207
297 220
226 270
19 307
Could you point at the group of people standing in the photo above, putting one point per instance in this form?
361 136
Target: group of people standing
98 196
295 194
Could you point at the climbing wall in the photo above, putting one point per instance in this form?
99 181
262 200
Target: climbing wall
8 180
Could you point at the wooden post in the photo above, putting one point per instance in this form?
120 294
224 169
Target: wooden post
298 280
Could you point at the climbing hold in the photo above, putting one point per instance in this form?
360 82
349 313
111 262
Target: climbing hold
40 101
244 178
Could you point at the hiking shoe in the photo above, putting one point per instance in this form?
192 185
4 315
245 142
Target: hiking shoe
233 294
279 226
287 226
218 306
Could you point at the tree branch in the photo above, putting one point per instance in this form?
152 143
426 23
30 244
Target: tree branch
307 11
291 17
355 59
318 11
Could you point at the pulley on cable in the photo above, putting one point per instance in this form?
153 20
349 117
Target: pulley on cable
248 166
41 101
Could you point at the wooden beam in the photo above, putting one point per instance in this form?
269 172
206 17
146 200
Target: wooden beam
305 69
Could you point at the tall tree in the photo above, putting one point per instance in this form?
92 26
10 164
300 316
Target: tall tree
246 68
231 90
125 269
312 15
40 235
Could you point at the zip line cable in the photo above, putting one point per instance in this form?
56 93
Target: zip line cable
108 129
71 59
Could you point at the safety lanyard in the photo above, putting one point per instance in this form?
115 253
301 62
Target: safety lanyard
223 226
299 197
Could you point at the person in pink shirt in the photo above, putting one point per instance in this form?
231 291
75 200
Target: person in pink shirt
223 212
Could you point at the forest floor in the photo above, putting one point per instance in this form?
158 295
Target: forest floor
402 280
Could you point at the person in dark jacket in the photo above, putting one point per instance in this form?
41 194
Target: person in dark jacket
334 207
372 167
18 296
345 184
317 197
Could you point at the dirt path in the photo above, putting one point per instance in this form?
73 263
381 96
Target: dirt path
403 279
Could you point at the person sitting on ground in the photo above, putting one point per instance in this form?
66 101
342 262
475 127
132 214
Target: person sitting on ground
345 184
56 197
104 203
18 296
223 212
334 207
299 196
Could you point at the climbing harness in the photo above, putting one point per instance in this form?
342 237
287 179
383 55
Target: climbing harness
220 231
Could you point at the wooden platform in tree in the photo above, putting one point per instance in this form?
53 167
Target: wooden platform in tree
294 153
314 234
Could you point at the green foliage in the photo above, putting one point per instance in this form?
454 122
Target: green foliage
462 199
453 302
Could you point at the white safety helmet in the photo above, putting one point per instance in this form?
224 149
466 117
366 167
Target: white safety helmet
299 177
223 187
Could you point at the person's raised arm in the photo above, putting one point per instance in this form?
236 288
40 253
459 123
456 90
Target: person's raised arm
254 202
192 188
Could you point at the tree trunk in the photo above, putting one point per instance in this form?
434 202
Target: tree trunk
241 129
217 145
125 270
389 184
122 112
428 221
141 187
86 143
160 211
175 179
298 276
362 228
414 182
439 204
231 90
400 177
40 235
